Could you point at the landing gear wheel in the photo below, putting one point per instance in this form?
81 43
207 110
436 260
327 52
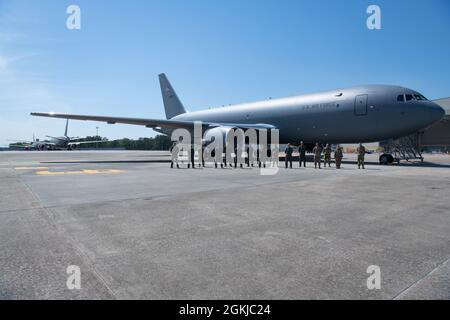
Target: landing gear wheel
386 159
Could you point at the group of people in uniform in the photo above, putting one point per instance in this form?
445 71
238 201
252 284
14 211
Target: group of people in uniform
317 151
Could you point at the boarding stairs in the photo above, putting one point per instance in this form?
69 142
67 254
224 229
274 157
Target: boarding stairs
405 148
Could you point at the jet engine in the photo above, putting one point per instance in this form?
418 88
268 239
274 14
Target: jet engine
213 134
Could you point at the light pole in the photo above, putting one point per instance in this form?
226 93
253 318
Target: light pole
96 137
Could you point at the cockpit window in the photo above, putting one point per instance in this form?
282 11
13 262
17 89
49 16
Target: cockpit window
419 97
409 97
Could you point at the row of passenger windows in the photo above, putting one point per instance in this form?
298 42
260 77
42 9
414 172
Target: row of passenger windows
409 97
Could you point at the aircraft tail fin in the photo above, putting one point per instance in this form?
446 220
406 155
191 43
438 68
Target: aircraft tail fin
172 103
67 127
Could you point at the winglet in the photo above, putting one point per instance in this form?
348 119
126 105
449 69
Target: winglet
172 103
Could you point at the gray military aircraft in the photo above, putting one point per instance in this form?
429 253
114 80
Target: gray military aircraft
36 144
367 113
66 142
55 143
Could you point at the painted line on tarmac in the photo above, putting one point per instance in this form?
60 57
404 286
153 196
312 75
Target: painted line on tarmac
78 172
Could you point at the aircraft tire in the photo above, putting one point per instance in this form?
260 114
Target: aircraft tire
386 159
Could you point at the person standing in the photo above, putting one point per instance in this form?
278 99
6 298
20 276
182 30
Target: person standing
235 155
361 154
174 152
288 155
247 152
192 159
327 156
302 154
317 155
338 156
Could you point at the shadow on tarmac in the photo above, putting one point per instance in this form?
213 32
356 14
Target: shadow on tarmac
419 164
105 161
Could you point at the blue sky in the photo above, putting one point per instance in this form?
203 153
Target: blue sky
214 52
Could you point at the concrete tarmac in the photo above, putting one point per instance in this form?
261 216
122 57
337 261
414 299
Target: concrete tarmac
140 230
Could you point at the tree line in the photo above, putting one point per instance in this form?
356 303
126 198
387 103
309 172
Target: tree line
159 142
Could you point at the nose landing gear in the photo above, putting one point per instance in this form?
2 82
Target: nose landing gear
405 148
386 159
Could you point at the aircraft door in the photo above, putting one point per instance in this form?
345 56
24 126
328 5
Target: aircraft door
361 105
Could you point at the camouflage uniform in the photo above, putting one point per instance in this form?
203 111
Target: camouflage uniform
288 156
361 154
317 155
327 156
338 155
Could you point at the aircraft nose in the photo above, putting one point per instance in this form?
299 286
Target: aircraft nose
436 112
431 113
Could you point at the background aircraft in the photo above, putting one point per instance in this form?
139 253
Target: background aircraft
55 143
66 142
359 114
29 145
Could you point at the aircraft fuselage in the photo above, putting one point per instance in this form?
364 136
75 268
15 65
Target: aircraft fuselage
359 114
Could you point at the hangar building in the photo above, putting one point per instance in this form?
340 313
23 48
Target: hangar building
438 135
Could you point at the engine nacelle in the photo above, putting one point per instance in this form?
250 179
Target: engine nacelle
213 134
242 142
227 135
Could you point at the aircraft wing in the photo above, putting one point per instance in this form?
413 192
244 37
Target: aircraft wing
56 138
152 123
47 143
21 141
76 139
20 145
85 142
